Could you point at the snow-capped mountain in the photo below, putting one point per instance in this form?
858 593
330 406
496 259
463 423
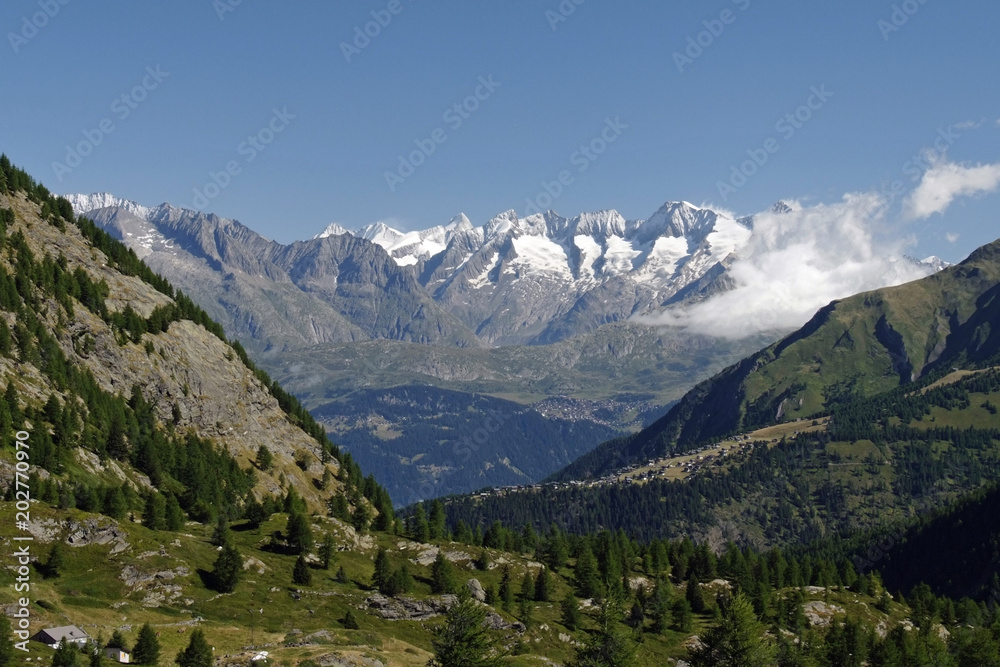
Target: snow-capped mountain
333 229
533 280
546 277
96 200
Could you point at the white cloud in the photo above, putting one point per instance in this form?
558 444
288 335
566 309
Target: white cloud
945 181
970 124
794 264
952 237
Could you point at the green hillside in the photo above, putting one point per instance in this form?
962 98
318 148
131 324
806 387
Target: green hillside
860 346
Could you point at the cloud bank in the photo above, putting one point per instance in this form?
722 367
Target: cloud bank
945 181
794 264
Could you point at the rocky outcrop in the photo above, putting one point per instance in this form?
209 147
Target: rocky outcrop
408 609
476 590
193 379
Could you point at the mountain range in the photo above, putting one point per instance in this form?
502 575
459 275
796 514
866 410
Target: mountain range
175 486
521 309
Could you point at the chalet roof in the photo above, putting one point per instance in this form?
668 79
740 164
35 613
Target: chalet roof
70 632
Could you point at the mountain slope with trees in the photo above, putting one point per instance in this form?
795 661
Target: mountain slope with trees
860 346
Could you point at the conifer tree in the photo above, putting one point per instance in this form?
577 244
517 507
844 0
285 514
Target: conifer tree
462 641
436 521
298 533
198 653
611 644
301 574
586 580
570 611
506 590
174 515
383 571
67 655
543 586
147 647
443 575
326 551
737 641
227 569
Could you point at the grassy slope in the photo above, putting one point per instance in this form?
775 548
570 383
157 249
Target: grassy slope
863 345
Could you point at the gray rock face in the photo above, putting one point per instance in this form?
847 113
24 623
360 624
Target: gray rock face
476 589
408 609
327 290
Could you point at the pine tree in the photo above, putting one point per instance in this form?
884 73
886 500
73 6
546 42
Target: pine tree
610 645
221 536
265 459
683 617
737 641
570 611
227 569
66 655
198 653
383 571
461 641
527 586
174 514
301 574
695 596
506 590
255 513
326 551
117 641
543 586
298 534
154 513
341 577
147 647
587 583
443 575
436 522
419 528
349 622
401 581
361 516
659 607
55 561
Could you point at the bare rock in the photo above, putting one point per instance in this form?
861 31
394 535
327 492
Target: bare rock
476 589
820 614
336 660
407 609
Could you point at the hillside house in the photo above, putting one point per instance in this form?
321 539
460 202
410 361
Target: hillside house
52 637
117 655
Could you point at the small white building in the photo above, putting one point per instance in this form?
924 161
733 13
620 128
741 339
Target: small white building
117 655
52 637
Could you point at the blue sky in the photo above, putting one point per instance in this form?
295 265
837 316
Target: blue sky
211 74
